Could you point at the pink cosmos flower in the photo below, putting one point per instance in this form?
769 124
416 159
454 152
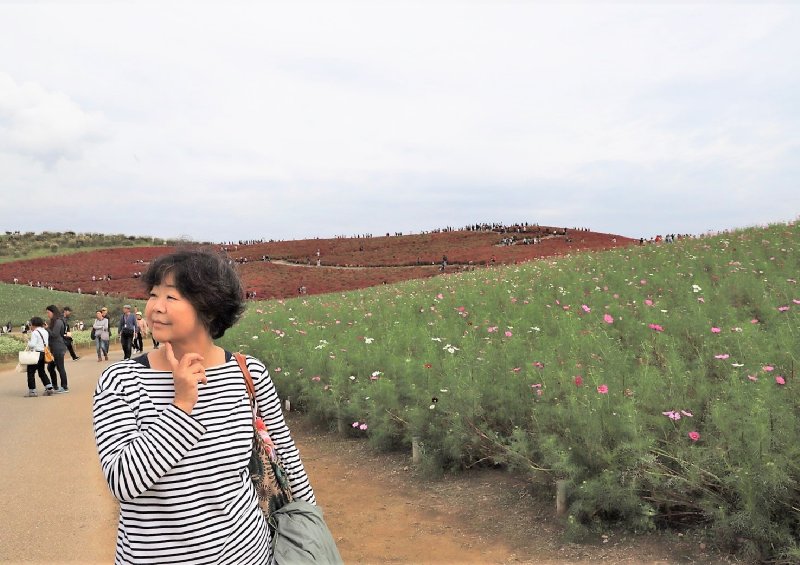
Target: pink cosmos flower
460 308
721 356
694 436
538 364
715 330
537 385
585 308
795 301
643 282
508 334
491 329
656 327
672 415
701 299
608 318
517 369
578 380
752 378
780 380
768 368
315 378
754 321
782 308
356 424
602 389
686 413
648 302
363 427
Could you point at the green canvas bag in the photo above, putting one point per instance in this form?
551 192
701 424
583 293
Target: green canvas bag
300 536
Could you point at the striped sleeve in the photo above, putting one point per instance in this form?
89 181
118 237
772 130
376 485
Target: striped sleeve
269 408
132 459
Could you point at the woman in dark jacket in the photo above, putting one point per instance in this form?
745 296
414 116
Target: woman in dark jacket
57 328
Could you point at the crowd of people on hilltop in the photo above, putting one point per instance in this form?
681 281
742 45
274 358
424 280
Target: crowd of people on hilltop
669 238
52 340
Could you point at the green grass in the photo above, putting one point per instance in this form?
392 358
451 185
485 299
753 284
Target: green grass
19 303
506 366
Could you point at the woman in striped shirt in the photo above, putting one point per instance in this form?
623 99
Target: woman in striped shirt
174 427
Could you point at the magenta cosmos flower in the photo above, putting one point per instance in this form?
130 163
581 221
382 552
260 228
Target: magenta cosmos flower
694 436
602 389
608 319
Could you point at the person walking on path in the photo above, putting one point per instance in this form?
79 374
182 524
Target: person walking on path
174 428
68 334
101 335
38 341
141 331
127 330
56 329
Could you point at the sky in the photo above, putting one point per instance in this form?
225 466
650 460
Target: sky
237 120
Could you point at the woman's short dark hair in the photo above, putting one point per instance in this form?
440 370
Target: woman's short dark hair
37 321
207 280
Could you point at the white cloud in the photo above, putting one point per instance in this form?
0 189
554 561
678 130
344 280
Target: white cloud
45 125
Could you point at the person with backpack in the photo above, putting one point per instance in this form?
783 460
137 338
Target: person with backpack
127 330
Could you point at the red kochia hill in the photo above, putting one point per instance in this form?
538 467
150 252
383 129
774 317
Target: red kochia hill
345 263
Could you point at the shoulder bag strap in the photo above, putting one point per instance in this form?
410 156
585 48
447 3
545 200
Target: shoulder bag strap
248 381
251 392
248 378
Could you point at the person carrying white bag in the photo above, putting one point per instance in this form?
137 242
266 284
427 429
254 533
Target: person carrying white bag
38 341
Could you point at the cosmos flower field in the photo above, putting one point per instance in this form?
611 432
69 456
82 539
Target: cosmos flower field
657 381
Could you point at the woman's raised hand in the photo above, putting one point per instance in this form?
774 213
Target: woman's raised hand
187 374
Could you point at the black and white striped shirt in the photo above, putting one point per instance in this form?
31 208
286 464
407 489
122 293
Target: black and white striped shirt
182 480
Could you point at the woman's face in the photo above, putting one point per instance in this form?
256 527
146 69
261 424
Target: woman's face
49 313
172 317
99 315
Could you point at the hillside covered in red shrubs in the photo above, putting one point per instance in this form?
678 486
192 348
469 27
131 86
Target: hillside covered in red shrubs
281 269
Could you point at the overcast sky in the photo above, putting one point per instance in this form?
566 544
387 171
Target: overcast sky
226 121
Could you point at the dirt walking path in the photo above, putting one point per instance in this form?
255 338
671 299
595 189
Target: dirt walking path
55 506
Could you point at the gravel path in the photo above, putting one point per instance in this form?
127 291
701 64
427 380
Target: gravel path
55 507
